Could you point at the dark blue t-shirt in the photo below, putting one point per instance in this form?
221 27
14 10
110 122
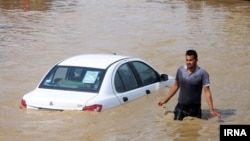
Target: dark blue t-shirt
191 85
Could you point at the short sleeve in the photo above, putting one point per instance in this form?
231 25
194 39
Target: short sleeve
178 74
205 78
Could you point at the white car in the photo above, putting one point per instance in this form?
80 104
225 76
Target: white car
95 82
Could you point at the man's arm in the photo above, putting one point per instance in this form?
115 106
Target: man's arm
170 94
209 99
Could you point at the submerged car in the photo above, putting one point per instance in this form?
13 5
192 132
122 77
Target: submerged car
95 82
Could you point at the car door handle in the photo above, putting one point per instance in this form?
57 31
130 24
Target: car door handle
147 91
125 99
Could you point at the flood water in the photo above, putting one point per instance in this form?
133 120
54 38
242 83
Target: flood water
36 34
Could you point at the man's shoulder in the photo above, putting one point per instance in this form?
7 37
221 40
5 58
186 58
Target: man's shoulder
182 67
201 69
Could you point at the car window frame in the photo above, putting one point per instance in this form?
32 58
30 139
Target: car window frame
135 74
121 75
138 76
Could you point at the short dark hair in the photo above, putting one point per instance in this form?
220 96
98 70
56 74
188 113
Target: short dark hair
192 52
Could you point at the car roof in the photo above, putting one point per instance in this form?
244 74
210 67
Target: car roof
101 61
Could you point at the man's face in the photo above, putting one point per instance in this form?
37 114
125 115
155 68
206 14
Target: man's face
191 61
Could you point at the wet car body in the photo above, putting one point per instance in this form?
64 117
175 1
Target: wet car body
95 82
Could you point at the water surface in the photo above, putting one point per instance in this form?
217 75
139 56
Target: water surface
36 34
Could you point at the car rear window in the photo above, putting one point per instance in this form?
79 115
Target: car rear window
73 78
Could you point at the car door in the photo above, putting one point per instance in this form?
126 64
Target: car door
133 80
126 85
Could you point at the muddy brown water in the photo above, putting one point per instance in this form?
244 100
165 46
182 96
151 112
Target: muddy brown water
36 34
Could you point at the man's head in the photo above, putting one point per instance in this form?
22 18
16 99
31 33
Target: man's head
191 59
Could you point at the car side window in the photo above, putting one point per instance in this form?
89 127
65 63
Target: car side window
125 79
146 73
118 83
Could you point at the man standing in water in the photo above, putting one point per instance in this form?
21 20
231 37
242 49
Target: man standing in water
191 79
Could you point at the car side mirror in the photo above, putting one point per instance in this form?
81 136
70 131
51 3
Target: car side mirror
164 77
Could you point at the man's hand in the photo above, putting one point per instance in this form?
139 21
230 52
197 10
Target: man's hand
160 103
215 114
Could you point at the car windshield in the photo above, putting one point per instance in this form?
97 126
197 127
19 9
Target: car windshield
74 79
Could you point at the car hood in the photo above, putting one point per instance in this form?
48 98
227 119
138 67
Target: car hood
57 99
